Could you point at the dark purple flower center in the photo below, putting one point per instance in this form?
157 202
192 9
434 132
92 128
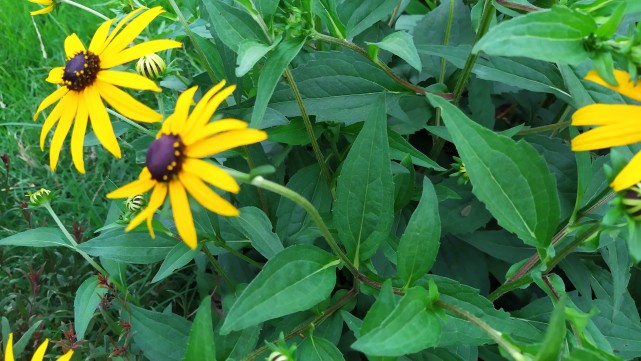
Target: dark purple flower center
165 157
81 70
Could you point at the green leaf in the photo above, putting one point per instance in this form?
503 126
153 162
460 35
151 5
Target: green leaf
402 45
271 74
201 345
419 243
267 8
87 298
609 28
364 193
383 306
131 247
37 237
550 350
510 178
249 53
232 25
318 349
409 328
326 10
294 280
20 345
254 224
399 147
554 35
179 256
293 133
160 336
358 15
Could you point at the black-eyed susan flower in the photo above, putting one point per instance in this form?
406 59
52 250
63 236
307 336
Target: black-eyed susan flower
174 164
48 6
38 355
615 125
86 80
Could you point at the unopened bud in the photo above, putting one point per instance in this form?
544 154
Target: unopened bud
151 66
39 197
631 201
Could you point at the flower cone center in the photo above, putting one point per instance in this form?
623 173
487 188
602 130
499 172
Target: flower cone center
165 157
81 70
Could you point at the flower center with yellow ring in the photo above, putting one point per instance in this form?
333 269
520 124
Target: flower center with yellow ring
165 157
81 70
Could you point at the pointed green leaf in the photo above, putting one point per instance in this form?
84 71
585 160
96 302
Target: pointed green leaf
87 298
555 35
383 306
318 349
201 345
409 328
364 193
232 25
254 224
294 280
419 243
550 350
131 247
160 336
401 44
37 237
179 256
510 178
249 53
358 15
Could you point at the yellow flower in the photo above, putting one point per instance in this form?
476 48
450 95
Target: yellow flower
49 4
616 125
174 167
86 79
38 355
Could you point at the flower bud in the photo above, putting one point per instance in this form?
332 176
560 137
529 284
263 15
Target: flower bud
151 66
277 356
39 197
631 201
133 204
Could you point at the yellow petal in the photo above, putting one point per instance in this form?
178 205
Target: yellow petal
224 141
127 80
629 175
59 135
181 111
202 104
213 128
42 11
65 357
125 104
211 107
100 122
99 37
206 197
182 214
55 75
603 114
51 120
73 45
134 188
137 51
78 134
155 201
625 87
606 136
50 99
210 174
40 352
8 351
119 26
131 31
41 2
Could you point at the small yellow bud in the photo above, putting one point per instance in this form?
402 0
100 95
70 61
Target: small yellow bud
39 197
151 66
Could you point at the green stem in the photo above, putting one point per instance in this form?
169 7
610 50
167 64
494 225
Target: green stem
263 183
89 10
194 41
544 128
222 244
218 267
310 130
132 123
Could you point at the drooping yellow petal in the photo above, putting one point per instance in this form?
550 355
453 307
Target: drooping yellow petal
131 31
55 75
206 197
40 351
181 111
224 141
73 45
50 99
127 80
119 26
625 87
125 104
604 114
629 175
210 174
59 135
78 134
99 37
42 11
213 128
182 214
51 120
137 51
155 201
211 107
100 122
41 2
66 357
134 188
202 104
8 351
606 136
